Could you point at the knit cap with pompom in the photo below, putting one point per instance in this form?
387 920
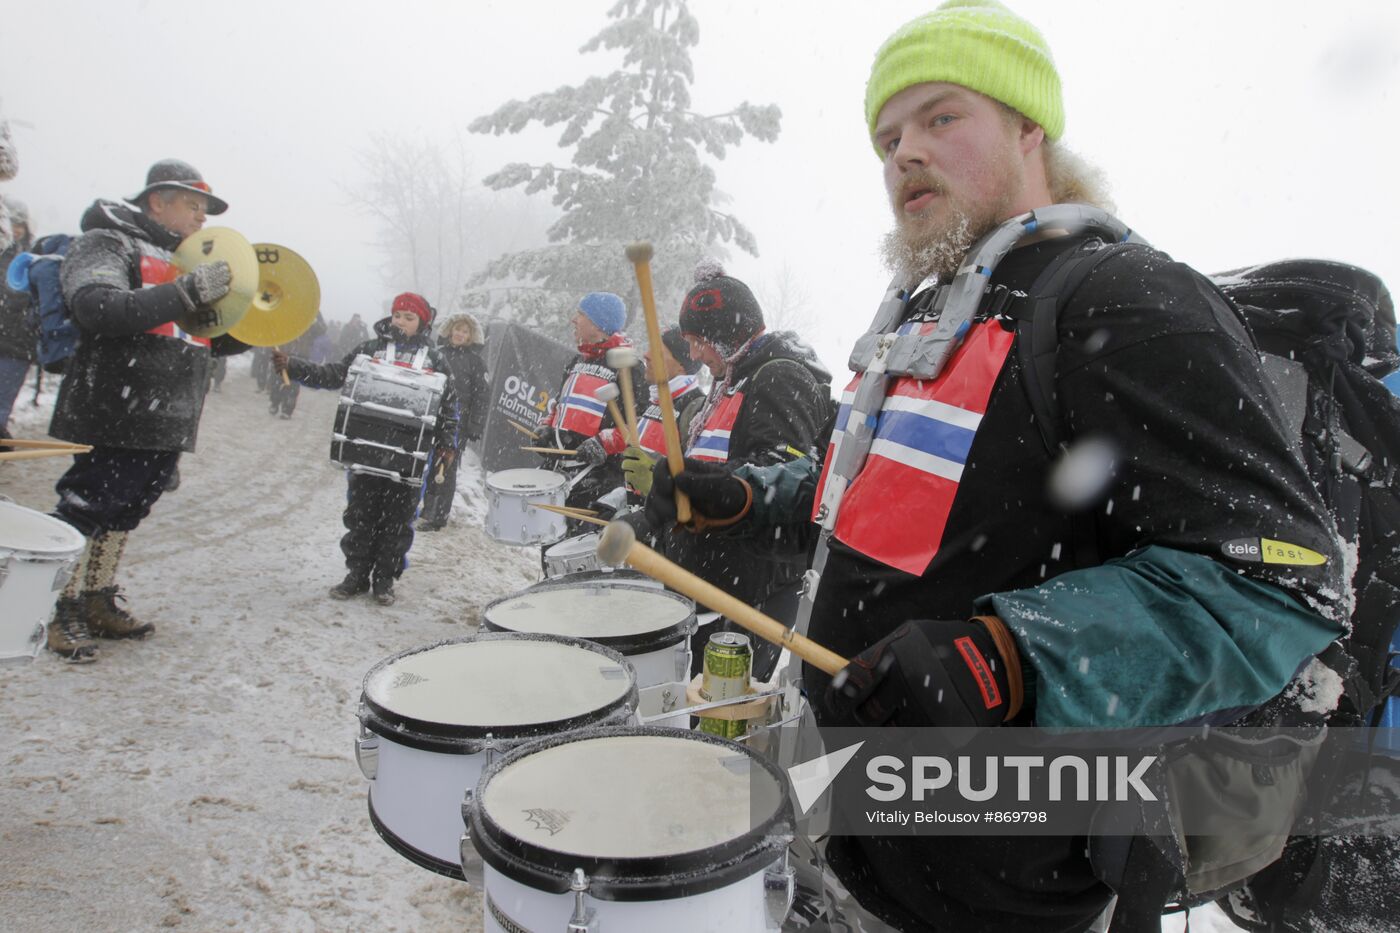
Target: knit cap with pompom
720 309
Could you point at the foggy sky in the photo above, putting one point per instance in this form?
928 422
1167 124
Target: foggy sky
1232 133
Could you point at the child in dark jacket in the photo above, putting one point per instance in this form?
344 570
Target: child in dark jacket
379 511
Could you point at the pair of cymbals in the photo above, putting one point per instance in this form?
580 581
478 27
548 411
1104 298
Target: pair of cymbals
273 293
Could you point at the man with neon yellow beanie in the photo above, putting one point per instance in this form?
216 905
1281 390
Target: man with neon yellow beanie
966 589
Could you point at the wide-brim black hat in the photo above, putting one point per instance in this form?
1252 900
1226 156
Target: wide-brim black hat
172 173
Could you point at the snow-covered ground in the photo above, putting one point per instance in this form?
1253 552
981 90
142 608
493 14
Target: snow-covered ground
204 779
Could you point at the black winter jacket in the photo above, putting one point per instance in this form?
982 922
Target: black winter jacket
332 375
124 386
19 337
467 366
787 400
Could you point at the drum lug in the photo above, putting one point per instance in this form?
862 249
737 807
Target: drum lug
683 660
367 753
585 918
5 571
472 869
779 886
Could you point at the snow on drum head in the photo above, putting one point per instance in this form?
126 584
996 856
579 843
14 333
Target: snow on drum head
433 717
650 626
648 829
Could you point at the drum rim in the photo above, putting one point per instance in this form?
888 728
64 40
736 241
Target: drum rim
587 534
563 480
457 739
639 643
646 878
49 553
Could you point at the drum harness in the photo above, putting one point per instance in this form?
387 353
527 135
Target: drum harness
882 353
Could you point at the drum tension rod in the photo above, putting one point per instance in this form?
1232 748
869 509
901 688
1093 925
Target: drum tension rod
584 919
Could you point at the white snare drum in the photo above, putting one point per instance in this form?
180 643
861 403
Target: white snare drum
37 557
387 419
572 555
431 718
510 517
651 627
635 830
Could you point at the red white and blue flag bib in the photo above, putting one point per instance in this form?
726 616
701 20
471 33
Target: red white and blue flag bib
651 434
157 269
896 508
712 444
578 409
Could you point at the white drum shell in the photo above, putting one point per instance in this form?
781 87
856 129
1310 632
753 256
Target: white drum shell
510 514
417 796
37 557
572 555
416 793
738 907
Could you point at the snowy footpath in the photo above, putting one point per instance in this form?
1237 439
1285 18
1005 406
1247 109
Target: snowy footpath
204 779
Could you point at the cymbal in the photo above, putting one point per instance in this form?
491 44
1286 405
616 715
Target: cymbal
286 302
210 245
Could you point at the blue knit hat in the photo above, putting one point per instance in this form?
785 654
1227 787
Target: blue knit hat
605 310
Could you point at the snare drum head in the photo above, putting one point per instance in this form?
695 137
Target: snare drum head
622 616
501 685
23 529
577 546
524 481
647 813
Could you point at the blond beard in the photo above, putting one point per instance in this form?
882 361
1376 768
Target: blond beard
937 251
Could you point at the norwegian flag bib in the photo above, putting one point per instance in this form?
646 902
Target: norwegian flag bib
157 269
712 444
578 409
896 508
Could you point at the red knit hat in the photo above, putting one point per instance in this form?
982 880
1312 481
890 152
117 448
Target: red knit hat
408 301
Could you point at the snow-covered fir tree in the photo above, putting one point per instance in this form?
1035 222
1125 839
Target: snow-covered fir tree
638 170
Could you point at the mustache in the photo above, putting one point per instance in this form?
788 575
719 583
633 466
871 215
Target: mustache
917 180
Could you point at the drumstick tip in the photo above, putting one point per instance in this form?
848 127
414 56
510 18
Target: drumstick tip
639 251
616 543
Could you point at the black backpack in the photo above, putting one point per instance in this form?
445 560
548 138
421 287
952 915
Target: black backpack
1328 335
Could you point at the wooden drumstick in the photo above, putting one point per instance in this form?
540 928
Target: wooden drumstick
608 395
40 454
619 545
18 443
582 515
623 359
560 451
640 255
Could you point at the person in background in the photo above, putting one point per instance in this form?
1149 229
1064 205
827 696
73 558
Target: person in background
18 336
461 344
578 417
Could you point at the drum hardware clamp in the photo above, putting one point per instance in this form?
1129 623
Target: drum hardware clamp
473 870
779 889
585 918
367 752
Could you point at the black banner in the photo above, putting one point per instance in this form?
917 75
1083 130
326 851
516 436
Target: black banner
527 369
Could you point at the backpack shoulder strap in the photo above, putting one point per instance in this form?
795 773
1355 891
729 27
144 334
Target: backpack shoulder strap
1038 334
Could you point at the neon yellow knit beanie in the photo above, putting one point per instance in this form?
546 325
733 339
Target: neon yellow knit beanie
980 45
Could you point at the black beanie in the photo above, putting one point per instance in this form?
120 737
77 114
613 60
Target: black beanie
675 342
720 309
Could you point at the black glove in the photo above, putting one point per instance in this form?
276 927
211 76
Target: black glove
591 451
717 497
927 673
